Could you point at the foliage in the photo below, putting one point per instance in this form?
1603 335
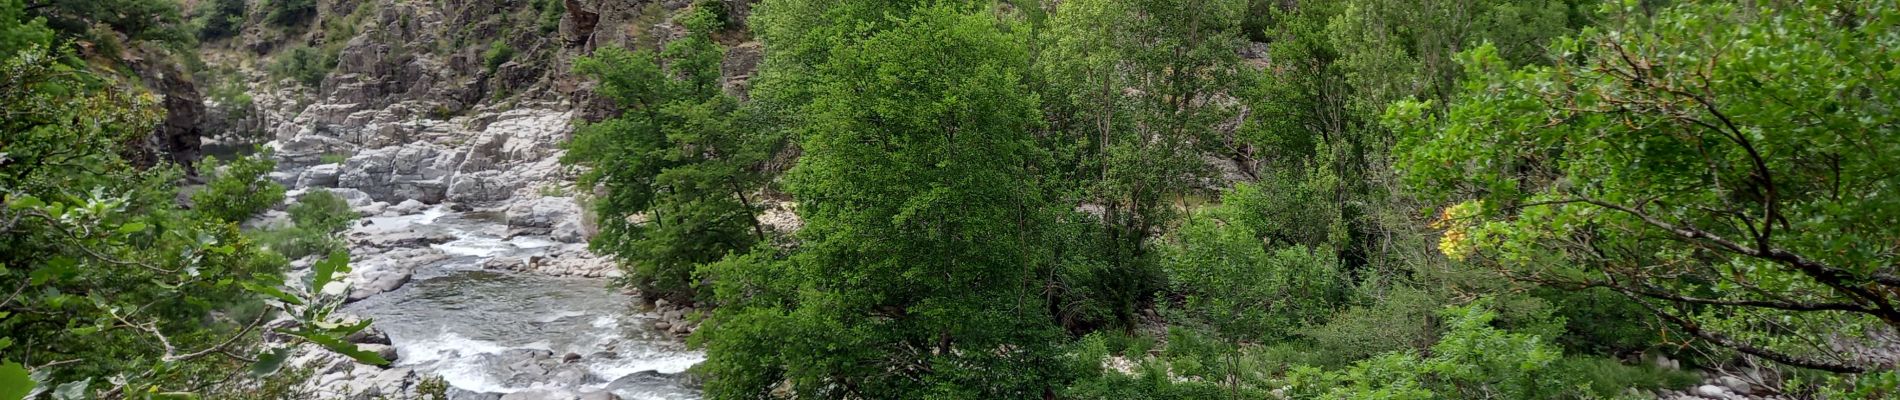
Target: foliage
1608 378
100 21
678 159
240 189
116 290
1472 361
316 220
286 13
1723 166
304 64
551 12
218 19
915 141
498 53
1246 289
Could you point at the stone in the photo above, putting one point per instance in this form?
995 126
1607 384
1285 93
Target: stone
571 357
377 282
319 176
1712 391
1738 385
545 212
355 198
386 351
410 206
600 396
369 335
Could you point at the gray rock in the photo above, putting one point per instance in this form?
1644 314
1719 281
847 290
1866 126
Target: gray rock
319 176
369 335
600 396
1737 384
377 282
410 206
386 351
355 198
545 212
1712 391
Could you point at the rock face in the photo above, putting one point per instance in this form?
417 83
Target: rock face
417 119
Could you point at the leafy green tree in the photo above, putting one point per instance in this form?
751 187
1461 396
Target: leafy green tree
678 165
914 273
113 290
1135 82
1724 166
1231 278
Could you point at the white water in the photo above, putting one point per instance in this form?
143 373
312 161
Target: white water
470 326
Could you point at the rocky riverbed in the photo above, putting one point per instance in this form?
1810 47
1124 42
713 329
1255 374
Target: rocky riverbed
471 258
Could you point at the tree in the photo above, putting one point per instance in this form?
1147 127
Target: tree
1138 84
111 289
914 273
678 165
1725 166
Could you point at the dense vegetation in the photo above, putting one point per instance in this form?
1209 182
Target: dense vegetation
1074 199
1101 199
115 288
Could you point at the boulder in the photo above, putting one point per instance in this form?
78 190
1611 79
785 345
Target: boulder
545 212
385 351
369 335
319 176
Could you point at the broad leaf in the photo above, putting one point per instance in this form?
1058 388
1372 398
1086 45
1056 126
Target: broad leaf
15 382
268 363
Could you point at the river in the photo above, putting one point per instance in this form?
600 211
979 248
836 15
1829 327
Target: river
491 332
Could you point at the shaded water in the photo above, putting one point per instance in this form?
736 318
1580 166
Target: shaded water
505 332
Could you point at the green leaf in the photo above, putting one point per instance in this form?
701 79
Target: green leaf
325 271
15 382
272 291
268 363
25 202
5 342
75 390
134 227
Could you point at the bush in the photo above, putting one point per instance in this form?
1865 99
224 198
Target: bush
551 11
1473 361
322 211
1607 377
1401 320
218 19
315 221
307 65
289 12
239 190
498 53
1226 275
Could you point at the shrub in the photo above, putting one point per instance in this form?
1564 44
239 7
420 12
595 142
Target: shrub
1227 276
322 211
306 65
1607 377
1473 361
289 12
551 11
498 53
218 19
238 190
315 221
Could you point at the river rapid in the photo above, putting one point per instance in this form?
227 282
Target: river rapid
491 333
